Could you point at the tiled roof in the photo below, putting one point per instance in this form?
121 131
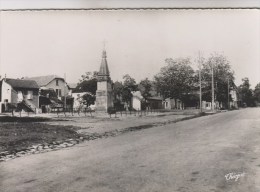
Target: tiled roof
44 80
21 83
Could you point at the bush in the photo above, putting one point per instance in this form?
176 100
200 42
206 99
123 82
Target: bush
111 110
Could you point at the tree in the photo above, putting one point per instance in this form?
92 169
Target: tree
223 75
145 86
86 100
88 83
246 93
130 83
176 79
257 92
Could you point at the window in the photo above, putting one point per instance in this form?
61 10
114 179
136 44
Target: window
57 82
29 94
59 92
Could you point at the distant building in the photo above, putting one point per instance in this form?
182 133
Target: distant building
169 103
54 82
104 95
15 91
71 87
136 100
155 102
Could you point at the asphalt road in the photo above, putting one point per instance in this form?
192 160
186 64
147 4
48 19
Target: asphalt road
188 156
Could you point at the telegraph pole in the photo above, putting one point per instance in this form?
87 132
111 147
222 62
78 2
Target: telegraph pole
200 82
228 92
212 86
65 102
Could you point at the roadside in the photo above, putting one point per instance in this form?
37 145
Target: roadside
37 134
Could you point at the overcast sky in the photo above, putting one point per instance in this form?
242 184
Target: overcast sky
36 43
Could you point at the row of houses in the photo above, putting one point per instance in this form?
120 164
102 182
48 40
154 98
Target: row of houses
47 93
36 94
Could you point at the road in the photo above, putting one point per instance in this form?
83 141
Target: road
188 156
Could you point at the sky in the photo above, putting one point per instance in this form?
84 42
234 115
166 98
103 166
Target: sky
34 43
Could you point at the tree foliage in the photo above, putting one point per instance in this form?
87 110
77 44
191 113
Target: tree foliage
257 92
145 87
87 100
88 83
223 75
246 94
176 79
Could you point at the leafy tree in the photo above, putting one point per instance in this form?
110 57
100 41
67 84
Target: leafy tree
257 92
88 83
130 83
145 86
176 79
223 75
86 100
117 88
246 93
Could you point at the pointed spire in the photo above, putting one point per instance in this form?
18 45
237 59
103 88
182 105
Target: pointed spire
104 71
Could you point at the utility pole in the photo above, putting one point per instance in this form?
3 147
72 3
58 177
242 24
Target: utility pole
200 82
228 93
212 86
65 102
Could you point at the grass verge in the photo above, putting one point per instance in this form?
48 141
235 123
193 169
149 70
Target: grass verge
17 136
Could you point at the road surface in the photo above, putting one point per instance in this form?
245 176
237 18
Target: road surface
188 156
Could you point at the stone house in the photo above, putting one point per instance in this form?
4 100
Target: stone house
14 91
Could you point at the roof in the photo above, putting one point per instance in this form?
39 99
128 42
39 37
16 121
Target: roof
154 98
44 80
104 67
21 83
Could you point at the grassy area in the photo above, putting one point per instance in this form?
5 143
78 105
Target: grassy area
23 119
20 135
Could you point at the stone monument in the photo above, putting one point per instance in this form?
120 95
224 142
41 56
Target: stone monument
104 95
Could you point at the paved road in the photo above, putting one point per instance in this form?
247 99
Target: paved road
188 156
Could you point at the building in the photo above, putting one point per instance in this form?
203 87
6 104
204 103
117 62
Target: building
104 95
155 102
136 100
169 104
18 91
53 82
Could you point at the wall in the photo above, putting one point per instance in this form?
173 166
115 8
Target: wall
62 86
136 103
6 92
104 97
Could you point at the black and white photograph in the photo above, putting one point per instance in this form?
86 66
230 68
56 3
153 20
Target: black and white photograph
129 96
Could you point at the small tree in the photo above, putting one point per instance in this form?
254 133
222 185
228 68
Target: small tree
88 99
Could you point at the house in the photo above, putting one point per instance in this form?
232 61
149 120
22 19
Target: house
53 82
169 103
136 100
72 87
155 102
18 91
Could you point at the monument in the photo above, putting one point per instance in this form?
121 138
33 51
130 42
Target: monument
104 95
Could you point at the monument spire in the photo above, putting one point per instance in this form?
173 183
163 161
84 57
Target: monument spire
103 70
